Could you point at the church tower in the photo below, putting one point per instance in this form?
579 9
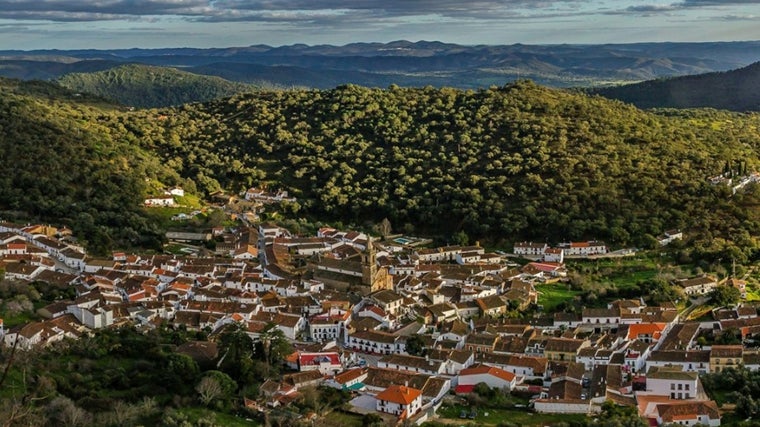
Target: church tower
369 263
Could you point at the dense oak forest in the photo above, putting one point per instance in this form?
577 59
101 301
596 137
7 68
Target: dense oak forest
502 164
147 86
63 160
519 161
735 90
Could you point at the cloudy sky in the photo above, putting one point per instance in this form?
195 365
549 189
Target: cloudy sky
70 24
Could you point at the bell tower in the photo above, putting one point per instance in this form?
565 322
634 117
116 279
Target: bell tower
369 263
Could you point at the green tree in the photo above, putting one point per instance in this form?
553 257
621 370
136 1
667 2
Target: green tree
236 354
725 295
460 238
216 389
415 345
273 346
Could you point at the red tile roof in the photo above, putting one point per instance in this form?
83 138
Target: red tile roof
490 370
399 394
464 389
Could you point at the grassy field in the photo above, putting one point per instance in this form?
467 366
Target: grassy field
218 418
189 201
702 313
621 272
489 416
165 214
10 321
339 418
550 296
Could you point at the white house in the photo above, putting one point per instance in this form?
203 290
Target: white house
692 360
673 382
327 363
490 375
375 342
554 255
349 380
455 360
698 285
324 329
591 247
530 248
176 191
399 400
688 413
601 316
445 253
165 200
73 259
290 325
669 236
412 363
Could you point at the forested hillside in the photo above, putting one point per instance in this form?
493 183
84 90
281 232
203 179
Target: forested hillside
149 86
736 90
508 163
61 163
521 161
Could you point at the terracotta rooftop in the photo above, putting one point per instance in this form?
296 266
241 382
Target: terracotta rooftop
399 394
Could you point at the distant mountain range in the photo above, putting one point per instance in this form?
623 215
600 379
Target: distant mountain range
737 90
404 63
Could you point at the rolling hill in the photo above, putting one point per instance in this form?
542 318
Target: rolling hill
520 161
405 63
737 90
65 162
148 86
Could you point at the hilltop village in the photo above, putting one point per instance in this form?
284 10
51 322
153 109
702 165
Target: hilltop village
400 325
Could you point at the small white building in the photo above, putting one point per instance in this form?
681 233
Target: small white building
698 285
592 247
554 255
673 382
399 400
530 248
669 236
165 200
490 375
327 363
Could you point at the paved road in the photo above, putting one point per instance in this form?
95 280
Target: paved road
371 359
694 304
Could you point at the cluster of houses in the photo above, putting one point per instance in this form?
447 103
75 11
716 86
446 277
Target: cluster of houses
735 183
351 304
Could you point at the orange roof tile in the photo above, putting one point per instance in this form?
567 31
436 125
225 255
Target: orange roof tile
490 370
399 394
653 329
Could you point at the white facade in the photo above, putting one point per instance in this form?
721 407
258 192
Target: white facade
490 379
584 248
530 248
672 382
398 409
328 330
549 406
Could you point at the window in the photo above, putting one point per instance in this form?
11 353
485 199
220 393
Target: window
672 386
687 386
680 386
